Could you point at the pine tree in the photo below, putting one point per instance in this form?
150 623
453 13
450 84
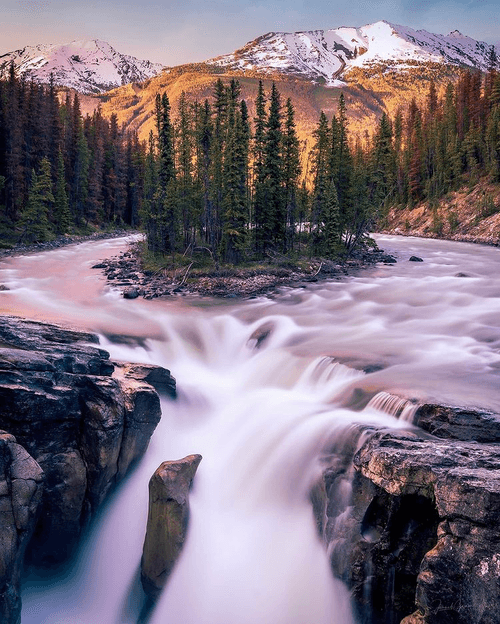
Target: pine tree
273 221
15 171
135 163
53 124
401 187
291 173
150 185
331 235
414 153
494 98
217 158
493 143
321 171
234 202
162 223
115 195
258 168
34 217
204 134
188 204
491 76
165 140
364 213
384 164
62 215
81 177
246 134
96 132
342 170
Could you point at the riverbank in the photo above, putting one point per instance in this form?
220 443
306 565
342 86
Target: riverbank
470 215
128 273
62 241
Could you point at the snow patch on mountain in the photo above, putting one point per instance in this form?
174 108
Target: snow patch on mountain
89 66
329 54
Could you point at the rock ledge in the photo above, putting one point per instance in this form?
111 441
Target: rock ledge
74 423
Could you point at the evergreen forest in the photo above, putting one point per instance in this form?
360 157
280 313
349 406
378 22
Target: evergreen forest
214 181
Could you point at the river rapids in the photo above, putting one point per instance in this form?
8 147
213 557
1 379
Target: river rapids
265 387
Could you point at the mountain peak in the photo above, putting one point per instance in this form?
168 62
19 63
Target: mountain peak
328 55
87 65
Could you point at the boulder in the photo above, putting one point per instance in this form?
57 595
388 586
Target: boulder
130 293
386 258
167 521
21 485
415 259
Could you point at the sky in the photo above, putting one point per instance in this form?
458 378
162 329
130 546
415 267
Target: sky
183 31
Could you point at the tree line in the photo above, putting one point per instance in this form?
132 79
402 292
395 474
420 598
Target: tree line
430 149
59 170
212 179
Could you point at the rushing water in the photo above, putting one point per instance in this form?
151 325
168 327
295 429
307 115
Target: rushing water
265 387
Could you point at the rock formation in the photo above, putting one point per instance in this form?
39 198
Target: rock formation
80 419
21 481
417 538
167 521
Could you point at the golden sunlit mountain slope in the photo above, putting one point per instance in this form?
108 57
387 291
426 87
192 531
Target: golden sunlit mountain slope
369 92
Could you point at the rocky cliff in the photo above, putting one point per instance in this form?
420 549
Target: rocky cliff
74 423
416 537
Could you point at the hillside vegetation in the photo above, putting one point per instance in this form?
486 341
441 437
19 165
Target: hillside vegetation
471 214
239 167
368 93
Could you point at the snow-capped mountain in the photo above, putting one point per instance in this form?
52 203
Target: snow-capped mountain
329 54
90 66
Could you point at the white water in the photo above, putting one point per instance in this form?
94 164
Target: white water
262 413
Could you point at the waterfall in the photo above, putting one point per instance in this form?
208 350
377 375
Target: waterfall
394 405
269 390
261 419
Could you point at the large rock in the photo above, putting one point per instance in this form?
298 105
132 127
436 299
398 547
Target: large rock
167 521
156 376
458 423
416 536
82 421
21 481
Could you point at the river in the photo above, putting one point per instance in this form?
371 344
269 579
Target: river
265 386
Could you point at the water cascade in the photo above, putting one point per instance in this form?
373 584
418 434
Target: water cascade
266 389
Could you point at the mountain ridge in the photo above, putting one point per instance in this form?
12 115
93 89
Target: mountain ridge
329 55
90 66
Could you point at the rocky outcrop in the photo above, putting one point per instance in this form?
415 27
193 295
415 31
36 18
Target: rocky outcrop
458 423
167 521
417 538
82 418
21 481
